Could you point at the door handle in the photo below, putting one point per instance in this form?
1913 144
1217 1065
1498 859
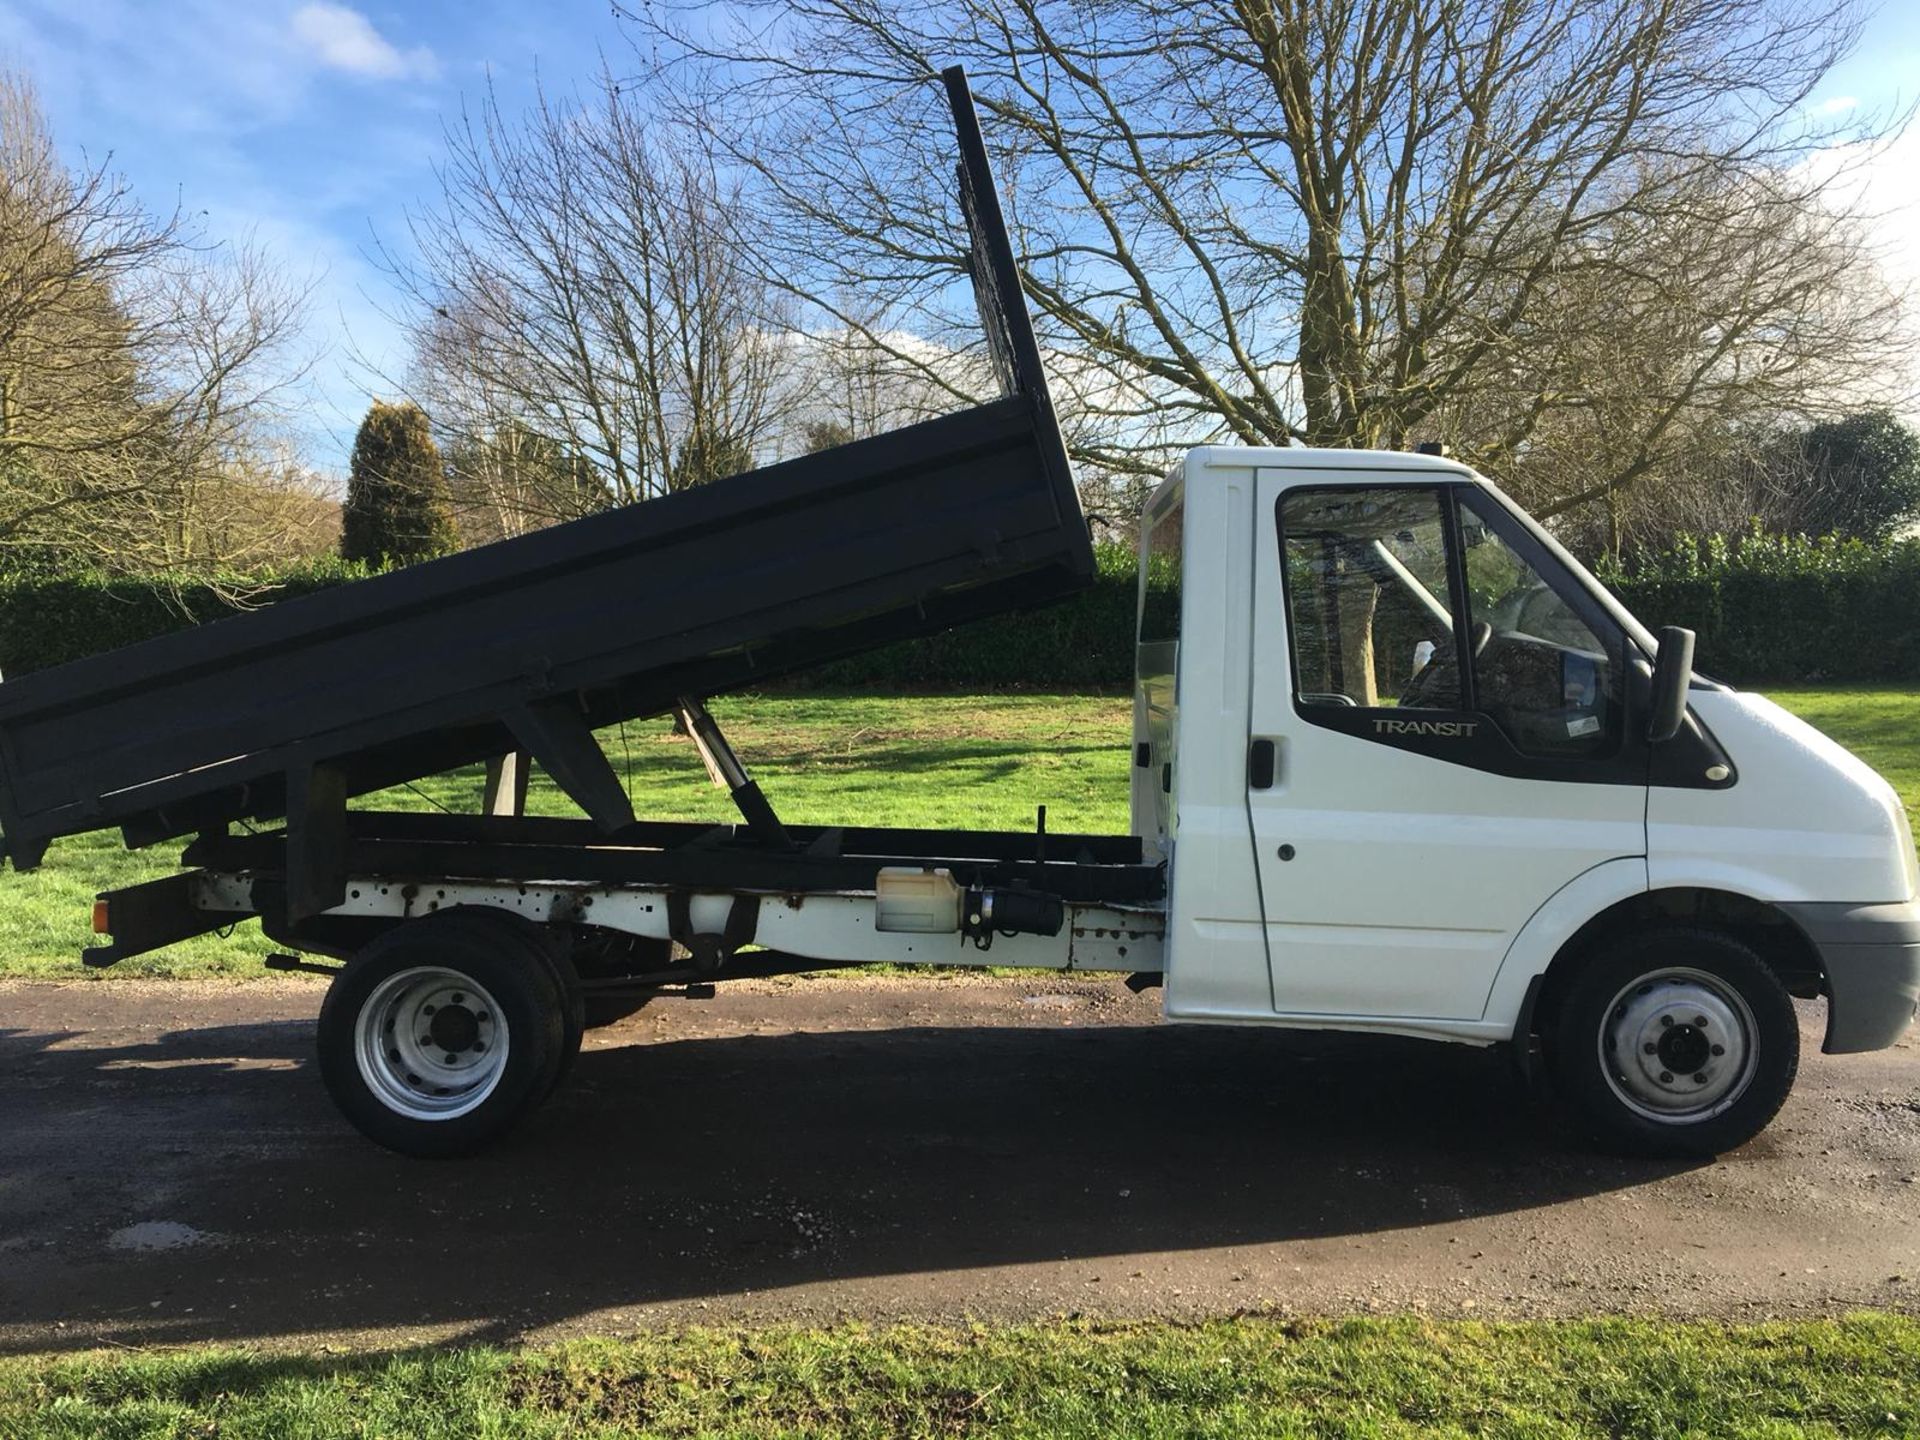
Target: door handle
1260 765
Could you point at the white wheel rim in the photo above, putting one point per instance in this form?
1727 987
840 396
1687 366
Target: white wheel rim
431 1044
1678 1046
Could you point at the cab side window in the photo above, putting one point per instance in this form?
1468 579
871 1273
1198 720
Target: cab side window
1545 676
1370 599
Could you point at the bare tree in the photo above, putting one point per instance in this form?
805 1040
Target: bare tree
1328 221
857 379
1655 357
579 281
1856 477
268 508
140 370
505 477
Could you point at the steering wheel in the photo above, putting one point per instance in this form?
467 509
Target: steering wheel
1433 674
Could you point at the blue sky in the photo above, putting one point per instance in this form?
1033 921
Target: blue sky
315 124
311 124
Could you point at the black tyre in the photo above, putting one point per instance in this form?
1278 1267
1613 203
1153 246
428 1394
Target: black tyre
1679 1041
573 1012
441 1034
542 946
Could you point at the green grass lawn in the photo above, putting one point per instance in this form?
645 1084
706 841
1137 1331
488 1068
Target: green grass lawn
946 761
1628 1379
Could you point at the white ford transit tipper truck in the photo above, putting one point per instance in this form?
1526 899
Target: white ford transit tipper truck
1399 765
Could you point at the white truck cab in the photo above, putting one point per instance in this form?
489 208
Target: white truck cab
1414 770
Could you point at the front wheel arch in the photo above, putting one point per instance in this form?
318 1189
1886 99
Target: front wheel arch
1765 928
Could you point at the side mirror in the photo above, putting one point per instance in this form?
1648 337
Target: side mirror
1672 673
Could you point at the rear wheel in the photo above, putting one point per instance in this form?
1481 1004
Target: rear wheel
541 946
441 1034
1677 1042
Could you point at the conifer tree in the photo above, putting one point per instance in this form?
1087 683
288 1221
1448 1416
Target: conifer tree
397 509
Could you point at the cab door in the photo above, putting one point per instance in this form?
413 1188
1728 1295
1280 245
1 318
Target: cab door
1438 740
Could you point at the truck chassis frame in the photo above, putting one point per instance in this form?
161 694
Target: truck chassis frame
714 889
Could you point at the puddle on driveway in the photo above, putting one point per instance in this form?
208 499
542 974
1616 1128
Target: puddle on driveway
159 1235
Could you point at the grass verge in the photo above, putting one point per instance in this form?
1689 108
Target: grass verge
1662 1380
979 762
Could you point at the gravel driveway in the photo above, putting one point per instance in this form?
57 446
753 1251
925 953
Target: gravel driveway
936 1148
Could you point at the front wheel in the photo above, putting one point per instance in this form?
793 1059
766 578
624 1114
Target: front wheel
441 1034
1676 1042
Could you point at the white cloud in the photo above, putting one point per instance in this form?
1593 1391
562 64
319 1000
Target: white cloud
341 38
1880 181
1837 105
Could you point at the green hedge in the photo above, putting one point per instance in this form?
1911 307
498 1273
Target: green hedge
1766 610
1773 609
50 620
1086 643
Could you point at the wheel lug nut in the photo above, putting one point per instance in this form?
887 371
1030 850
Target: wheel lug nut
426 1009
483 1017
425 1040
458 997
1666 1021
452 1059
1650 1047
1719 1049
1700 1078
1666 1077
1700 1022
